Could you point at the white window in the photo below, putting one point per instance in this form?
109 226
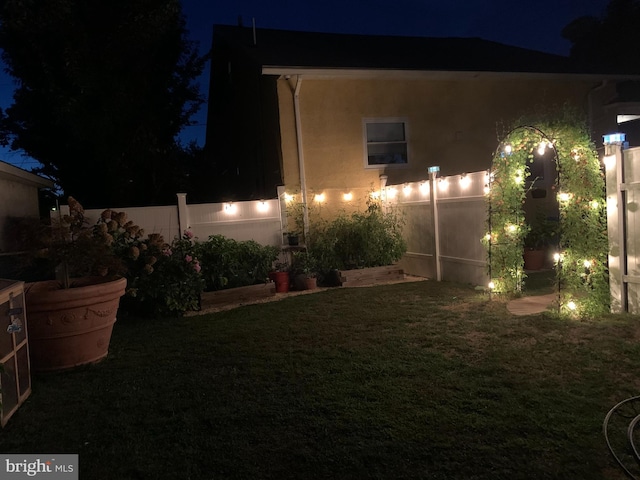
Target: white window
385 141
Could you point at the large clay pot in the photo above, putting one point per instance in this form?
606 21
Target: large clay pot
534 259
71 327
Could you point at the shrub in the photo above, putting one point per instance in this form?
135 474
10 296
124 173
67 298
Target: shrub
360 240
163 279
228 263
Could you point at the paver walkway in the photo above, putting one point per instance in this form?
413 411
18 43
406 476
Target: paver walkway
531 305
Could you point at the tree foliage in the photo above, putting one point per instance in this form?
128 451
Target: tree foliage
608 41
103 89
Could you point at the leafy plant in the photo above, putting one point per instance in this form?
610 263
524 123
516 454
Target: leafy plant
303 263
541 233
582 268
228 263
363 239
163 279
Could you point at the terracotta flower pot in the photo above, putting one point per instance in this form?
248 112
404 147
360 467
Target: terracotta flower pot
71 327
282 282
311 283
534 259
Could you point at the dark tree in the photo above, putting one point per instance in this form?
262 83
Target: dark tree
608 42
104 88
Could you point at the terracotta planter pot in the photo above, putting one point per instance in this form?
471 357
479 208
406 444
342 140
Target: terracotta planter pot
534 259
311 283
282 282
71 327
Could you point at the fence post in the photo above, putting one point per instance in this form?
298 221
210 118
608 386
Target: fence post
614 171
433 194
183 213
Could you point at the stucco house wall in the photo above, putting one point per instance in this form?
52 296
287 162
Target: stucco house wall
453 123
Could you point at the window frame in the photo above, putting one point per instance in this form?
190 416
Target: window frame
366 143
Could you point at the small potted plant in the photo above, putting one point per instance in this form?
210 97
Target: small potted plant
304 270
281 277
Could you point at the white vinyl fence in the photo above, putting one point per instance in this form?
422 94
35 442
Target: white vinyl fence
623 222
445 219
260 221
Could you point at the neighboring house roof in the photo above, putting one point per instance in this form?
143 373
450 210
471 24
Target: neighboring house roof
10 172
279 51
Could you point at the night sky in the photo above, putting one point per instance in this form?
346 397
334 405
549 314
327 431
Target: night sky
533 24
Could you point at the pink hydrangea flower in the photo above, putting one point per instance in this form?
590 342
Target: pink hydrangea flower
196 266
188 258
188 234
167 252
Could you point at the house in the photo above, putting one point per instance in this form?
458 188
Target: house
330 116
19 196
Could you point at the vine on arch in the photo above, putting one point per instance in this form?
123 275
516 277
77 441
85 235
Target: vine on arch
581 266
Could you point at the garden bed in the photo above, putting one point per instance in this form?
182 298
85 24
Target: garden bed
370 276
236 296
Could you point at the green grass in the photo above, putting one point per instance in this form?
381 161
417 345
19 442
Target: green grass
414 380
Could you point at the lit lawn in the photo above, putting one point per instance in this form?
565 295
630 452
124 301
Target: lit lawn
414 380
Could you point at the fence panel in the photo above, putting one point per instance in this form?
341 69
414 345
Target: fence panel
457 223
623 224
253 220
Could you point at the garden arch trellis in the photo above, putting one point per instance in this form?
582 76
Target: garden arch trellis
581 258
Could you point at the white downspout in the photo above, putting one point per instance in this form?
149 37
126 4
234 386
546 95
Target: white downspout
303 180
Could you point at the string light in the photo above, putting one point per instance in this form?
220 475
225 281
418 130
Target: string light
491 285
319 197
508 149
587 264
289 197
465 181
347 197
572 305
424 188
391 192
542 148
443 183
406 190
564 197
263 206
230 208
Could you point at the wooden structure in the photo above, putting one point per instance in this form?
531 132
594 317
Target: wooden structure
15 378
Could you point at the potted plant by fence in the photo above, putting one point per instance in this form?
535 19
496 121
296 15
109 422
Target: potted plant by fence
303 268
281 277
71 314
536 242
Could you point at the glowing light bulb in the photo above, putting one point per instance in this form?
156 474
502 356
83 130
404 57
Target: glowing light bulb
572 305
564 197
288 197
319 197
491 285
594 204
263 206
542 147
518 178
512 228
375 195
424 188
487 189
508 149
391 192
557 257
587 264
443 183
465 181
347 197
406 190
